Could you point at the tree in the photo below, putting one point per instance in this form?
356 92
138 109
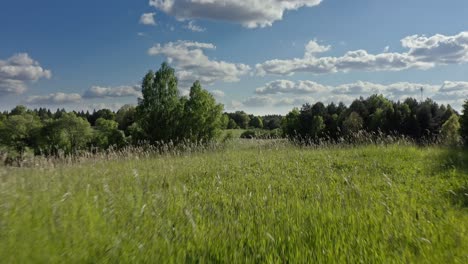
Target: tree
224 121
291 124
68 133
317 127
102 113
241 118
19 110
232 124
125 117
107 134
353 123
464 122
256 122
450 133
20 131
272 122
203 116
160 111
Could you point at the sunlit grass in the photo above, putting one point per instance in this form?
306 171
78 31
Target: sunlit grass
254 201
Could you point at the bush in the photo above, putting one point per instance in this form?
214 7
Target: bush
261 134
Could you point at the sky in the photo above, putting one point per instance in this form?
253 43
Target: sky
260 56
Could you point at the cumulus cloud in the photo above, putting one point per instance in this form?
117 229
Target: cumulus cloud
438 49
54 99
312 48
289 87
106 92
192 64
17 71
195 28
148 19
249 13
454 93
423 53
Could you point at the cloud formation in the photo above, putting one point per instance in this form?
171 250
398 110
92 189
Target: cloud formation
423 53
288 93
112 92
195 28
17 71
148 19
249 13
54 99
290 87
192 64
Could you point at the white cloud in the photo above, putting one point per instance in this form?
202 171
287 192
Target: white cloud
17 71
106 92
192 64
312 48
286 93
438 49
454 93
54 99
148 19
249 13
423 53
195 28
258 101
289 87
217 93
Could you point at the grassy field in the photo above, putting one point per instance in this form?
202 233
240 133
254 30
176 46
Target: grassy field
251 202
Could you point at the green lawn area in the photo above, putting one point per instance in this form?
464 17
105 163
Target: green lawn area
250 202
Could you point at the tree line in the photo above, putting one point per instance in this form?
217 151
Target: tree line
163 115
421 121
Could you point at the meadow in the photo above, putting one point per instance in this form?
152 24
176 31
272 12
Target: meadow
249 201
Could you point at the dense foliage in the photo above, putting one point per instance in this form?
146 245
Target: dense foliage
417 120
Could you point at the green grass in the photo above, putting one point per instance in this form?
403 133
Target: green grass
253 202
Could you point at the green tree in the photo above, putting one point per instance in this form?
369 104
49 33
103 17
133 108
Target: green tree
107 134
203 116
317 127
232 124
20 132
353 123
19 110
450 133
160 111
125 117
256 122
464 122
291 124
224 121
68 133
241 118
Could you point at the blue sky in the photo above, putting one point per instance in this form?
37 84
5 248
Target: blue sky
262 56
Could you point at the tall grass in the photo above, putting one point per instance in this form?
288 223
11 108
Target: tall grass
247 201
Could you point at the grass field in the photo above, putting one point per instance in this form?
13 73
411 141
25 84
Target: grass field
251 202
